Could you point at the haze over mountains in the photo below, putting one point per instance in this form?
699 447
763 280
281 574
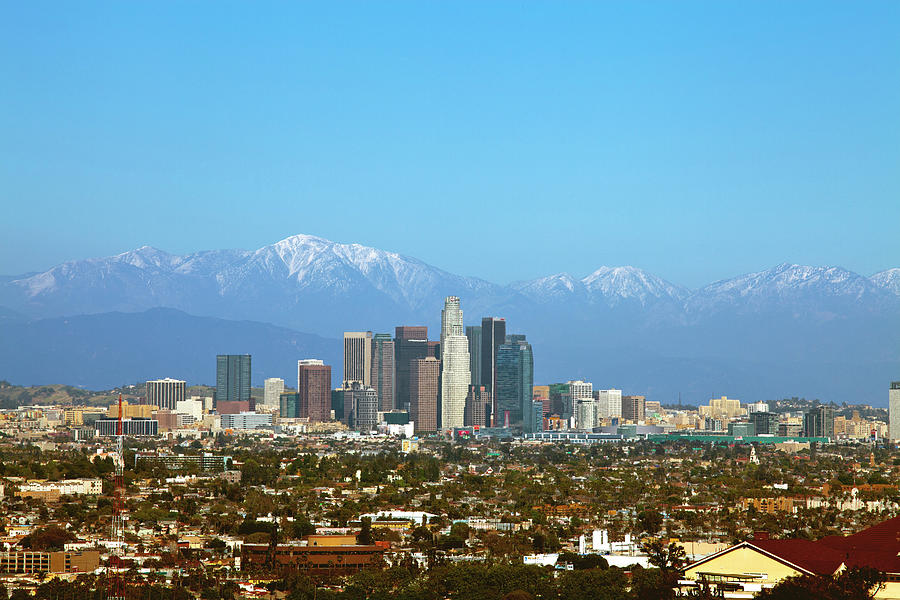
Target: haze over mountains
821 332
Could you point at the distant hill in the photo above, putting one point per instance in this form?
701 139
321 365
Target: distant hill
104 351
818 332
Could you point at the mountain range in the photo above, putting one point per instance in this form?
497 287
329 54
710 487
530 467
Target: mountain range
823 332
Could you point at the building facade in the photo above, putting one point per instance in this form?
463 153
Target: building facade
289 405
478 404
410 343
515 381
233 377
609 403
634 408
473 335
357 358
314 387
383 370
423 384
165 393
455 375
493 335
246 420
894 411
272 389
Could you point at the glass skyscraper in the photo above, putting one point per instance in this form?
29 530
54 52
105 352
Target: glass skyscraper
515 380
233 378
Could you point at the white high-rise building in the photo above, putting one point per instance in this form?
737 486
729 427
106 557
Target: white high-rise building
894 411
357 358
455 373
165 393
273 387
609 403
585 413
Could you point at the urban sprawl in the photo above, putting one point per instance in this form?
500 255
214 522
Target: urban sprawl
440 469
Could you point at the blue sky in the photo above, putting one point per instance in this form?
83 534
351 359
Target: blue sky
506 140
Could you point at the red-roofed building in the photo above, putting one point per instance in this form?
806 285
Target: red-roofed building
744 569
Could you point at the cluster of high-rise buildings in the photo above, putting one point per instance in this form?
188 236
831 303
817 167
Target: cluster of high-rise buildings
476 376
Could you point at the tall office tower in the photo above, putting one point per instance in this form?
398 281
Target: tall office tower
765 423
410 343
894 411
357 357
515 382
272 390
314 387
473 334
233 378
478 403
455 375
423 388
577 390
383 370
609 403
165 393
819 422
493 335
289 405
634 408
541 393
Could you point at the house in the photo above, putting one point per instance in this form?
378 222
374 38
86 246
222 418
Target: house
744 569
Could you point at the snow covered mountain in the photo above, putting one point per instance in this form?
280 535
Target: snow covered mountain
619 326
888 280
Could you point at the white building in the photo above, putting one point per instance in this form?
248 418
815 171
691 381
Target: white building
70 487
894 411
609 404
455 374
357 358
756 407
585 413
192 407
272 390
246 420
165 393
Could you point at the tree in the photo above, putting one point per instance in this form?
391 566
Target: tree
663 557
365 537
649 520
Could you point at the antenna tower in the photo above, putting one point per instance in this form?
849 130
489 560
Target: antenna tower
114 576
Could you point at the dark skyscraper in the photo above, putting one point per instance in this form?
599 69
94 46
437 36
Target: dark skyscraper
410 343
473 333
819 422
515 380
314 387
233 378
493 334
423 384
383 370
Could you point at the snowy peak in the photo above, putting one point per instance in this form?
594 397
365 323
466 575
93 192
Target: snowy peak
888 280
624 283
561 286
788 279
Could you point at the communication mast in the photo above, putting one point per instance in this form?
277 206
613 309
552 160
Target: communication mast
115 579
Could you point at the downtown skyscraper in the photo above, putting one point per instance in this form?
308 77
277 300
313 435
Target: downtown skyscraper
357 358
455 375
493 335
383 370
515 383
